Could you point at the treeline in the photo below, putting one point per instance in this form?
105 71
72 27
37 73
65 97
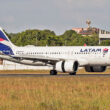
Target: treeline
49 38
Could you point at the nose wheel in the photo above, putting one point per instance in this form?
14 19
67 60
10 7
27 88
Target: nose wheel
74 73
53 72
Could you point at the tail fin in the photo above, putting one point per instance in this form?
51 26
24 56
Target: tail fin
5 44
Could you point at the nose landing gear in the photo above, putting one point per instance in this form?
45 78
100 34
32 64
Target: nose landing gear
74 73
53 72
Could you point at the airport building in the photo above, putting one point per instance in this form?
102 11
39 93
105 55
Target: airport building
86 31
103 34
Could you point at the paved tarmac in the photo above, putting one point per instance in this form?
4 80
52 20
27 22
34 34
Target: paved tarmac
59 75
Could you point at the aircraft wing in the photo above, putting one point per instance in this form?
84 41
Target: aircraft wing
47 60
35 58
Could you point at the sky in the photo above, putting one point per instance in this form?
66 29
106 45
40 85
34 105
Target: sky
56 15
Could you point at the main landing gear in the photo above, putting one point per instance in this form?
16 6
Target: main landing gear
53 72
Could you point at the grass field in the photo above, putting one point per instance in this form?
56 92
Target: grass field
55 93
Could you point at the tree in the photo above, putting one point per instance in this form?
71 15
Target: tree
105 43
47 37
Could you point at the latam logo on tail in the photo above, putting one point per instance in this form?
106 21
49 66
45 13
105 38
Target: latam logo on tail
5 44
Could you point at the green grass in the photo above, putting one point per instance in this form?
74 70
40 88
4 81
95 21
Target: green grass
55 93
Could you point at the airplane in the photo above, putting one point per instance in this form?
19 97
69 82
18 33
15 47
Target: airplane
64 59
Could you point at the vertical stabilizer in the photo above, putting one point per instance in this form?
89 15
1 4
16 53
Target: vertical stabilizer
6 47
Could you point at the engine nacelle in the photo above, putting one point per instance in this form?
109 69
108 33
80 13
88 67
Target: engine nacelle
67 66
95 68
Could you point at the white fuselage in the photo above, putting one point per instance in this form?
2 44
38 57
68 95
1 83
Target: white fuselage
90 55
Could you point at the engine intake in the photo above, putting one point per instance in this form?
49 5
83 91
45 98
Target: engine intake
95 68
67 66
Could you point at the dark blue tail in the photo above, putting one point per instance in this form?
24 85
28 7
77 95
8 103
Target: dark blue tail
5 44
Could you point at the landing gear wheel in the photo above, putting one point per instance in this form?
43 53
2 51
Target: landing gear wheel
53 72
74 73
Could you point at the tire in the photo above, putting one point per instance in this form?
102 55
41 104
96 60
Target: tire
74 73
53 72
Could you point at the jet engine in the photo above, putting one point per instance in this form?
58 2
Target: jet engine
70 66
95 68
